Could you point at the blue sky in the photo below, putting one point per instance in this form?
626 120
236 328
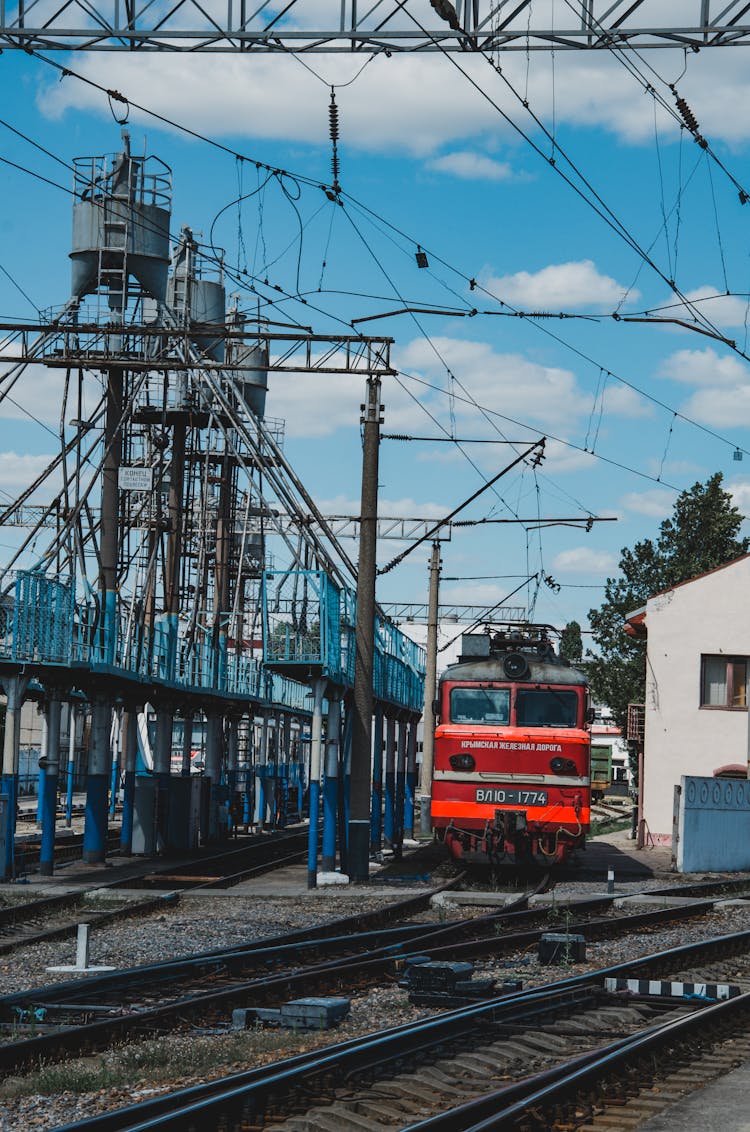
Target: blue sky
439 168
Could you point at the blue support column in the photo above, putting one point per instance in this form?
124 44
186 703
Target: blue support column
389 815
116 761
187 743
398 829
232 762
15 690
261 764
247 799
376 815
71 765
330 785
42 771
214 752
130 755
97 783
411 778
162 772
315 769
53 711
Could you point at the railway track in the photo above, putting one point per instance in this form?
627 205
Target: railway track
468 1070
69 848
20 921
339 958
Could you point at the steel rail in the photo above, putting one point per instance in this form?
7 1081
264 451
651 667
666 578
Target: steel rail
336 975
365 932
358 1055
192 1107
576 1079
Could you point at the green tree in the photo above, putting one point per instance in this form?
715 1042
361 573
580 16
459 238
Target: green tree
571 645
702 533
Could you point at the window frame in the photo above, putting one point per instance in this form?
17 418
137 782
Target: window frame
730 662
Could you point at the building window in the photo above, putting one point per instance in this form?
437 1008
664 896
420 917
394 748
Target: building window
724 682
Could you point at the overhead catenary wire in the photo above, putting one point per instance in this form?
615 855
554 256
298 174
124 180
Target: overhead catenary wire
309 181
539 444
564 343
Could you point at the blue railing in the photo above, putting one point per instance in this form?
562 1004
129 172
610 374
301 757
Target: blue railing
309 624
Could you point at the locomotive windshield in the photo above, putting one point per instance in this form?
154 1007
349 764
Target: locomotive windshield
548 708
480 705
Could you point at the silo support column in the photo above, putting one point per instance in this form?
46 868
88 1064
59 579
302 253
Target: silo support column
376 814
129 756
330 785
411 778
389 816
97 783
15 690
316 745
53 711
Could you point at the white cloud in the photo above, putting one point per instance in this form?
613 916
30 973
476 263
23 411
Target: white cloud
584 560
406 507
720 309
18 470
510 384
626 402
704 367
740 493
655 502
414 103
559 286
470 166
722 399
560 458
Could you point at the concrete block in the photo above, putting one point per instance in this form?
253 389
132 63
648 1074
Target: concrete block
643 899
559 947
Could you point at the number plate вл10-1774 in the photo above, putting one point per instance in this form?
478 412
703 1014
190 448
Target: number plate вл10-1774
500 796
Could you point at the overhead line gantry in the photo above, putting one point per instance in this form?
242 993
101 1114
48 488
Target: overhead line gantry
384 26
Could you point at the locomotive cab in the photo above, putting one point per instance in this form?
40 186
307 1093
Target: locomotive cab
511 778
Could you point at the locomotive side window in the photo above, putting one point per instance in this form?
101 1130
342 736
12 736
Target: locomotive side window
540 708
480 705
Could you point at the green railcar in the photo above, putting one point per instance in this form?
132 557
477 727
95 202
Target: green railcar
601 771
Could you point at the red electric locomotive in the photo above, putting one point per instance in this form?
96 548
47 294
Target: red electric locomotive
511 779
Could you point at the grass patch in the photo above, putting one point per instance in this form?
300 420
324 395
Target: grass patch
172 1060
597 828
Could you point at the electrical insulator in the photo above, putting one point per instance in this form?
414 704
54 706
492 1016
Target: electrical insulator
333 128
687 115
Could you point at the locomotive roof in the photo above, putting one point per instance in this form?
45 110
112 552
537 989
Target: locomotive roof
541 670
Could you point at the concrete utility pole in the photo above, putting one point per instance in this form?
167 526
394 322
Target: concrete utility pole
359 797
430 684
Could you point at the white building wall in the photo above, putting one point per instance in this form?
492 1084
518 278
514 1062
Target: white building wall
710 615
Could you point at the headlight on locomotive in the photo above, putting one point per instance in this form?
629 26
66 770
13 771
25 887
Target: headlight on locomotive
462 762
563 766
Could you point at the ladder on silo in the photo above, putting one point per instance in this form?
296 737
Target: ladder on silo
113 250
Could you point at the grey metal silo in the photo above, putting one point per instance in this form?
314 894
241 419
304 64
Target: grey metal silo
250 378
197 302
121 218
